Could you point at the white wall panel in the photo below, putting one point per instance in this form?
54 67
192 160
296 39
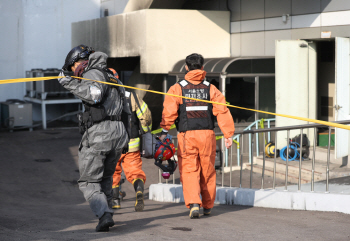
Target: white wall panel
252 44
11 49
235 45
37 34
306 21
277 23
335 18
235 27
47 29
252 25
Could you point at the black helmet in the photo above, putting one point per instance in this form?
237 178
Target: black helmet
79 52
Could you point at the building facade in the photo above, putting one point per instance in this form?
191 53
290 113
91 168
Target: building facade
307 40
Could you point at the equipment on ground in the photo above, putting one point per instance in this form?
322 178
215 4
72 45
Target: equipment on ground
16 113
294 149
270 149
164 151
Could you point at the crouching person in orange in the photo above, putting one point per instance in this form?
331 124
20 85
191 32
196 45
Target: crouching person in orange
196 138
131 161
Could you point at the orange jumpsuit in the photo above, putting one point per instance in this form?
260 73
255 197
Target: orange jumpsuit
132 162
132 165
196 148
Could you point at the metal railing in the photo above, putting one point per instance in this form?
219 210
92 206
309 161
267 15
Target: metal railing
276 129
235 140
239 140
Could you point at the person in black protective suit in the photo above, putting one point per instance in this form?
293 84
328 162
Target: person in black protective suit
104 135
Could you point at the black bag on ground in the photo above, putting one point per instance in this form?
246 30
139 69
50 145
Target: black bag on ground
148 140
306 145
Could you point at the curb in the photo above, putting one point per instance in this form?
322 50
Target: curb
309 201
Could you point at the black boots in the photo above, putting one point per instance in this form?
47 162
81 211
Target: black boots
116 199
194 210
206 211
138 186
105 222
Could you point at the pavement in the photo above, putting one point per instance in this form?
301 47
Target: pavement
40 200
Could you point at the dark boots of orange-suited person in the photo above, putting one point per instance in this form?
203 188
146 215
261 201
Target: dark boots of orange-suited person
141 121
196 139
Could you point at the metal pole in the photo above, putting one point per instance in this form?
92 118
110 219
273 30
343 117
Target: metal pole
231 166
226 157
240 172
238 153
263 169
257 139
328 158
175 142
286 182
251 165
313 162
274 163
256 80
43 113
301 158
165 84
250 147
268 133
223 160
223 91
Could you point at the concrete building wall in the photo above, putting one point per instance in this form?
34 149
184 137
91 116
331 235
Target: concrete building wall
113 7
303 20
160 44
37 34
11 49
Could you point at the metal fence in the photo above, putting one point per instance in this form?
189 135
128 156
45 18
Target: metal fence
249 133
244 134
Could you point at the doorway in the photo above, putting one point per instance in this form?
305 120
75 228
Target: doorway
326 80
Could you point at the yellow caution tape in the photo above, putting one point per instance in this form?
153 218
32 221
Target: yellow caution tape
262 127
178 96
236 143
160 129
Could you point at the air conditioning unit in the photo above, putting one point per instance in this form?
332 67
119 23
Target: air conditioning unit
15 113
30 86
49 87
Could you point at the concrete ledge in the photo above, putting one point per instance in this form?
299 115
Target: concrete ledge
329 202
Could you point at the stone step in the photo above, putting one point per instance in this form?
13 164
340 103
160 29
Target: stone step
293 168
320 170
292 177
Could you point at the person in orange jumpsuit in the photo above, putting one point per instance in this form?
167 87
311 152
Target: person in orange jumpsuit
196 139
131 161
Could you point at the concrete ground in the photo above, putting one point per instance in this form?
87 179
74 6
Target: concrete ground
40 200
